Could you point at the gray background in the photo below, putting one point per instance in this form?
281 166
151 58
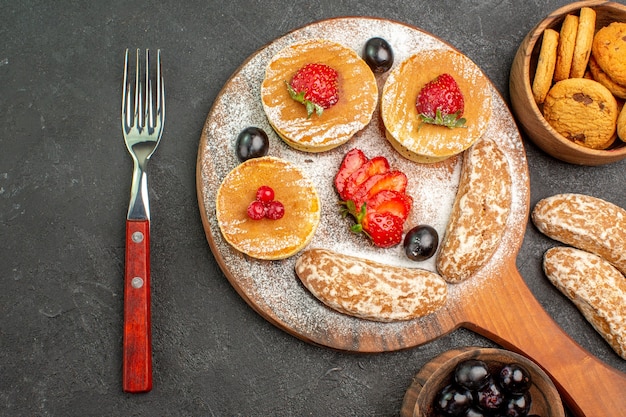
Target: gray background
64 180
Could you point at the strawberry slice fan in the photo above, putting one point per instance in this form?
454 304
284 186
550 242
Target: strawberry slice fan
374 196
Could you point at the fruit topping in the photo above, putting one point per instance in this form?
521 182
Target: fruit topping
256 210
385 229
315 86
265 194
378 55
517 406
390 201
274 210
374 196
374 166
264 205
490 397
474 412
351 162
441 102
392 180
421 242
252 142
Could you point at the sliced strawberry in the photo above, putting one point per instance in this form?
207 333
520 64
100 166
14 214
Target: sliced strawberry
376 165
374 196
392 180
353 160
389 201
384 229
360 194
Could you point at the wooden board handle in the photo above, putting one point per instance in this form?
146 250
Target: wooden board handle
137 346
513 318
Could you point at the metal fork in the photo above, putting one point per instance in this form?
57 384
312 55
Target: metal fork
142 125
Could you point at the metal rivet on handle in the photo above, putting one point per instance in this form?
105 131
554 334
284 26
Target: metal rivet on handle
137 282
137 237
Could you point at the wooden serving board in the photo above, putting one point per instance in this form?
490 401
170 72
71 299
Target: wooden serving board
495 302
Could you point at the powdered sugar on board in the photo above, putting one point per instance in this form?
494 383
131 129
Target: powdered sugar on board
271 287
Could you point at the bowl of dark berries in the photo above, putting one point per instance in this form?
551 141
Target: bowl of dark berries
481 382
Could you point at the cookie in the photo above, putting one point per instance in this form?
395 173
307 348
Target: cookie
479 214
609 51
595 287
621 124
584 41
565 50
600 76
368 289
545 65
583 111
584 222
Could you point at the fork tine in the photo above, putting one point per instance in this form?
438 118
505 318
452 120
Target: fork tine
160 94
148 118
125 115
138 114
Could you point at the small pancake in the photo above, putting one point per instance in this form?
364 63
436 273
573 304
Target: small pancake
404 128
265 238
358 96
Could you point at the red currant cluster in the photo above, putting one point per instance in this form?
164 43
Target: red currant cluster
264 206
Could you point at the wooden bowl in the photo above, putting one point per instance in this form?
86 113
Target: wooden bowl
436 374
523 104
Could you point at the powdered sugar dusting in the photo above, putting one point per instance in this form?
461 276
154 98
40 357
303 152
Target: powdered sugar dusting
272 287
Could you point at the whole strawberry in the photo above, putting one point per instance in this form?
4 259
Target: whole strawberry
315 86
441 102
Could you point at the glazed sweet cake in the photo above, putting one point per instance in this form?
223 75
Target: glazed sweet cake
357 96
267 238
427 143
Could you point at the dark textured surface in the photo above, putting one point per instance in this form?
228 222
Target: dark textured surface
64 180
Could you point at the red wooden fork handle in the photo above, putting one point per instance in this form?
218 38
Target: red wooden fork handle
137 349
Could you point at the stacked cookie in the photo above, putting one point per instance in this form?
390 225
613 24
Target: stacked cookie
580 80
